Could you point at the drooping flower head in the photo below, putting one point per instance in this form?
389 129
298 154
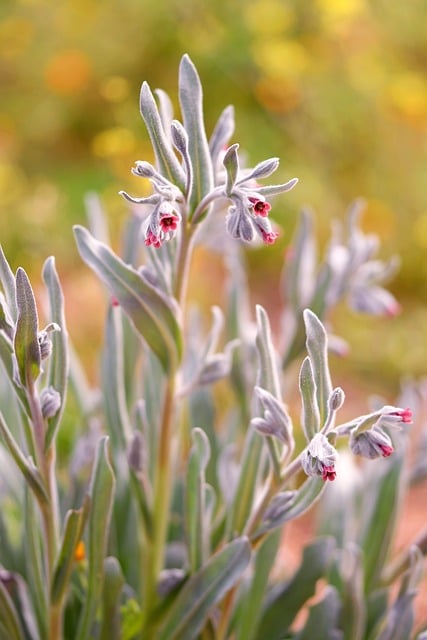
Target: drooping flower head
319 458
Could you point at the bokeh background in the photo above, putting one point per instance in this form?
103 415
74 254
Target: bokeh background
336 88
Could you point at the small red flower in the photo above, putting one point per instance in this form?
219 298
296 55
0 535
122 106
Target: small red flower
152 240
386 450
168 222
114 301
260 207
405 415
269 237
329 473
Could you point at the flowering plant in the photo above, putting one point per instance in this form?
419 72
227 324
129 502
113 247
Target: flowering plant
175 529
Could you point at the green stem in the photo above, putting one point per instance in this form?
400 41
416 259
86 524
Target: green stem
49 510
162 485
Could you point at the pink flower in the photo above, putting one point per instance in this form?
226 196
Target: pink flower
260 207
169 222
269 237
319 458
405 415
328 473
152 240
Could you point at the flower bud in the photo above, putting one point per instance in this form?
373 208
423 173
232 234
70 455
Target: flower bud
50 402
336 399
371 444
45 341
319 458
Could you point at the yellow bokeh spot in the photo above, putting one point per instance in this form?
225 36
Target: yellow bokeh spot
113 142
281 58
408 94
68 72
114 89
419 231
268 17
15 36
340 9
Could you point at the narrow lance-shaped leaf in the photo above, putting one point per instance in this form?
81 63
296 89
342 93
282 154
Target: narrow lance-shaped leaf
249 612
310 418
222 133
101 494
152 316
323 618
9 619
284 602
7 280
203 590
27 349
191 101
59 361
74 524
113 585
34 561
317 347
197 535
27 468
231 165
165 156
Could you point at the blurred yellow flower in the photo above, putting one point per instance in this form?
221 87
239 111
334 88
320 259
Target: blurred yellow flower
113 142
68 72
419 231
12 183
278 94
280 58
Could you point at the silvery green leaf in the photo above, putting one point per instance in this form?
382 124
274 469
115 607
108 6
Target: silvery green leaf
152 316
231 165
203 590
354 607
73 530
153 199
165 109
18 590
27 349
111 600
380 510
101 495
298 278
323 618
113 382
191 101
310 416
273 190
317 348
251 601
7 357
285 601
268 375
261 170
222 133
6 323
9 617
196 530
35 574
228 473
7 280
96 217
275 514
180 140
166 158
59 361
217 366
24 464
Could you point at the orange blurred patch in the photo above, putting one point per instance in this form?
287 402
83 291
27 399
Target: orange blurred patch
68 72
80 552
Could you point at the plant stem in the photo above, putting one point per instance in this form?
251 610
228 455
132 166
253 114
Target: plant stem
162 484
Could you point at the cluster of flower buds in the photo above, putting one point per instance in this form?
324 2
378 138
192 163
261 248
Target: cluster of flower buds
164 218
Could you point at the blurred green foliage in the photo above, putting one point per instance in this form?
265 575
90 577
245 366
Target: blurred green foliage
336 88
